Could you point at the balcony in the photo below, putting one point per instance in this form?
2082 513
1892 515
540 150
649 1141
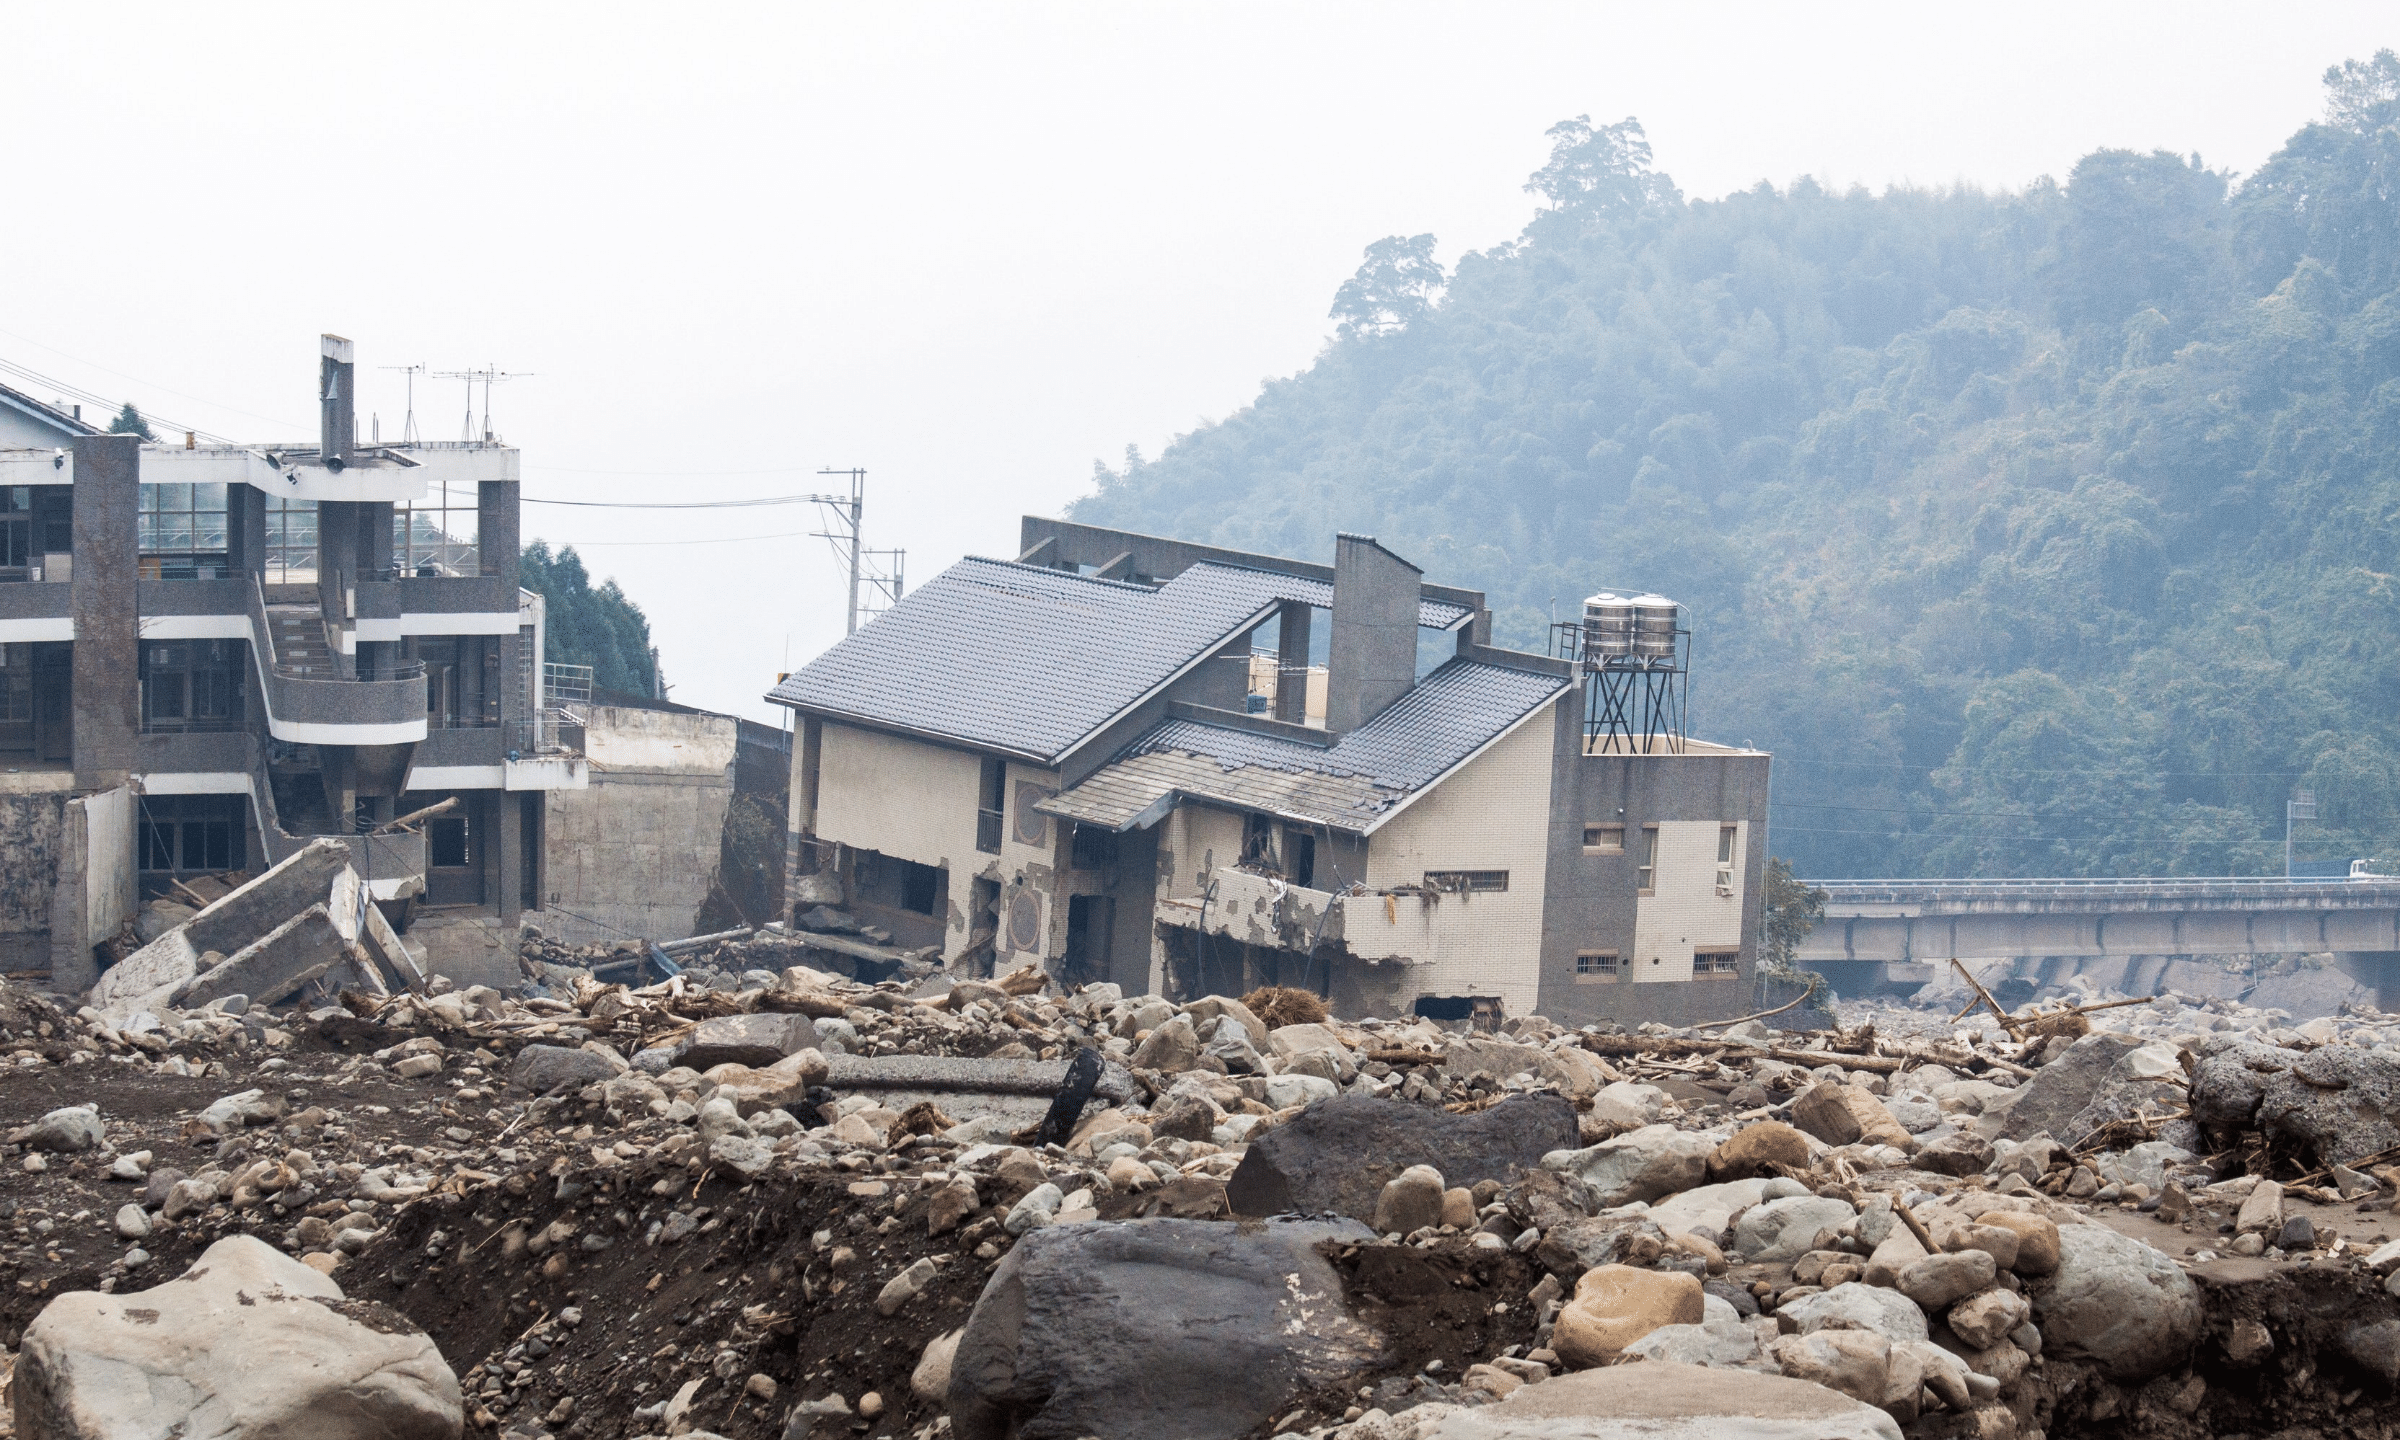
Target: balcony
1260 910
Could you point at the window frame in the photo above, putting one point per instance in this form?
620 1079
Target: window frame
1596 840
1645 871
449 542
1723 964
1609 970
1468 882
173 528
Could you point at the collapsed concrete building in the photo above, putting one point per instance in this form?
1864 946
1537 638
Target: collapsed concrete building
1100 755
213 654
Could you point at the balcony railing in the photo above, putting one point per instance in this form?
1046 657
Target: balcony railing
987 831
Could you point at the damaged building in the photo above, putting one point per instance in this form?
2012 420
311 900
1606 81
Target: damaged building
1103 756
213 654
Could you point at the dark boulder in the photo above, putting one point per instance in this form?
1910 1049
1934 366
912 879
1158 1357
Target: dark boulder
1166 1329
757 1040
1336 1156
2071 1095
547 1068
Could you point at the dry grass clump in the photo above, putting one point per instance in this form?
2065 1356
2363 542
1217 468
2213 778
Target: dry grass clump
1281 1005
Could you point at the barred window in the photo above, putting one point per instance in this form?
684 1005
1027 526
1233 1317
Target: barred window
1461 881
1599 965
1716 965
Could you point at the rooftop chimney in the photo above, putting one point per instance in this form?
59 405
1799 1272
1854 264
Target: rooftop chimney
1373 659
337 415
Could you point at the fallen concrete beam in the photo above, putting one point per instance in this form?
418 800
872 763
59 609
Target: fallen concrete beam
234 922
959 1074
299 950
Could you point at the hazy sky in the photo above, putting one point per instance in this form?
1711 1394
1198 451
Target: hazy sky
969 247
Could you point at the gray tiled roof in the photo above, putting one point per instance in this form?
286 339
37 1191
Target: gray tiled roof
1454 712
1029 660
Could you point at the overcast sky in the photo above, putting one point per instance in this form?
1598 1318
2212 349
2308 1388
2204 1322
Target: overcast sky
969 247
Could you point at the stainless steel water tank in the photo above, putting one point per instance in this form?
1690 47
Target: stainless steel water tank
1608 620
1654 627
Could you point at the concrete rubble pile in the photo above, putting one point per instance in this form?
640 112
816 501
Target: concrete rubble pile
785 1201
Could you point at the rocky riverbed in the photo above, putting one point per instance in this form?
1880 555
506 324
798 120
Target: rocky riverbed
762 1199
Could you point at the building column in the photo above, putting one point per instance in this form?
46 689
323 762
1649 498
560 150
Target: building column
106 697
1291 662
508 831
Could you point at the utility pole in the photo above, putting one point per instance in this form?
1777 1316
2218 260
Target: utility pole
846 515
2302 806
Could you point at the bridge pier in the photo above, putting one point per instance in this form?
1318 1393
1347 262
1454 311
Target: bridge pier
2376 970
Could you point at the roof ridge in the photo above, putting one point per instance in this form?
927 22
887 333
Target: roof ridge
1054 573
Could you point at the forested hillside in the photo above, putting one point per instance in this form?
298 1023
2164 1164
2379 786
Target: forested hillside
2049 532
591 626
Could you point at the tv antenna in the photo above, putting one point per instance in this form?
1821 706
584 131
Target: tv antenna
408 427
488 374
879 571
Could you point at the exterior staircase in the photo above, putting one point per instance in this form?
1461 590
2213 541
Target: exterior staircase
300 648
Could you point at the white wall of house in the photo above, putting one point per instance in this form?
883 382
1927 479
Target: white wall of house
1685 912
1492 814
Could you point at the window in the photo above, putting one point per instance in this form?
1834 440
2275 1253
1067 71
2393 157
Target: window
181 532
1603 839
991 796
190 833
448 842
1299 856
191 685
1725 835
1716 965
1094 848
1592 966
16 531
1645 875
434 534
291 541
1465 881
920 887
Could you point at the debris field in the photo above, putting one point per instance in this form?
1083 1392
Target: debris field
765 1197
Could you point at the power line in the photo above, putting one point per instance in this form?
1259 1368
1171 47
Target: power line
713 540
90 397
587 470
1980 770
672 504
121 375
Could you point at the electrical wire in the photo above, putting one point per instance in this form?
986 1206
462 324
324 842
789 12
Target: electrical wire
2047 774
121 375
89 397
672 504
712 540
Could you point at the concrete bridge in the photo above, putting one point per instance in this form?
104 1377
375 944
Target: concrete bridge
2138 935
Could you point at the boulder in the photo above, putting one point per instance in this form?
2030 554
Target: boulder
2117 1302
757 1040
1167 1328
1337 1155
1857 1363
2037 1239
1664 1400
2262 1210
2076 1093
247 1342
783 1085
2336 1103
1708 1209
1627 1105
1787 1229
1847 1115
1960 1153
1894 1253
1170 1049
1615 1305
1411 1202
544 1069
1985 1319
1571 1247
1716 1342
1640 1164
68 1131
1936 1281
1855 1306
1755 1150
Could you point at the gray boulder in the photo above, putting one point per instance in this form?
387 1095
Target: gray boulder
2332 1104
1174 1329
1719 1344
1570 1247
1854 1306
545 1068
1786 1229
2117 1302
70 1131
2060 1094
1336 1156
248 1342
1664 1400
757 1040
1640 1164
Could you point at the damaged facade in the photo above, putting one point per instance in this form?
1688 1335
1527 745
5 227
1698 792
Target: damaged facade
1103 756
211 654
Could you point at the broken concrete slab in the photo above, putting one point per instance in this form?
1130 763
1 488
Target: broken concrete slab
952 1074
1337 1155
758 1039
279 962
147 978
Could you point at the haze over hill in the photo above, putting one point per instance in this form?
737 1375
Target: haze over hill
2047 532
